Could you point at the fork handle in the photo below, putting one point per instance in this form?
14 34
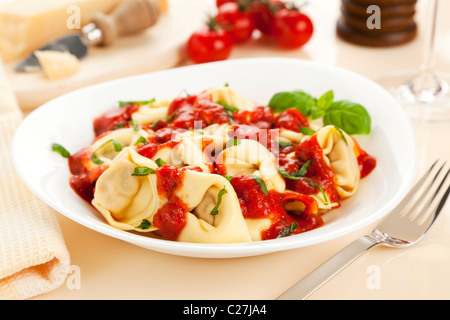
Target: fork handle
305 287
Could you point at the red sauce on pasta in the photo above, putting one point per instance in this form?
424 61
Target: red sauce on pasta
113 119
257 205
295 207
318 172
171 218
84 174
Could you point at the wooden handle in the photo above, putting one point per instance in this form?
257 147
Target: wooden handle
130 17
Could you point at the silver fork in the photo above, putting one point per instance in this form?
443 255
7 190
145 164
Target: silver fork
407 224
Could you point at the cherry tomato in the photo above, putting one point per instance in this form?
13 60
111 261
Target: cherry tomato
208 45
291 28
262 13
237 23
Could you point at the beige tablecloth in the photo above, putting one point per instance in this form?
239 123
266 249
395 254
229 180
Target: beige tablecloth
33 256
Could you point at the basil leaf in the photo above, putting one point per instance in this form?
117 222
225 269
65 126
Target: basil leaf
134 124
288 230
233 142
294 175
307 131
326 100
145 224
282 144
141 140
229 110
142 103
143 171
229 178
226 106
351 117
298 99
160 162
288 175
318 186
215 210
304 168
96 160
171 116
61 150
319 109
342 135
117 148
262 185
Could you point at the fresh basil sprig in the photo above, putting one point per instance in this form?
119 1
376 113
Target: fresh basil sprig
294 175
56 147
288 230
215 210
117 148
143 171
141 103
145 224
349 116
261 184
160 162
298 99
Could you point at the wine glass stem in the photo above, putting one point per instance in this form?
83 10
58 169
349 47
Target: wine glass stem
428 63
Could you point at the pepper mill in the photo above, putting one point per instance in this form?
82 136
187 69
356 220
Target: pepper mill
377 23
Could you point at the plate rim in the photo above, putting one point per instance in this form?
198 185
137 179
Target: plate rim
206 250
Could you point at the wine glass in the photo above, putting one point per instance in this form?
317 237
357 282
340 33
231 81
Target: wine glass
424 93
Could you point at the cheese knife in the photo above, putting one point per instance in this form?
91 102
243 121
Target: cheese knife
130 17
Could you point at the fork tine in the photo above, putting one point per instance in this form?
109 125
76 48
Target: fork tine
413 192
436 208
419 203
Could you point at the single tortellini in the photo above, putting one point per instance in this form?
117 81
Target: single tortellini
340 153
127 201
249 157
230 97
151 112
215 214
107 146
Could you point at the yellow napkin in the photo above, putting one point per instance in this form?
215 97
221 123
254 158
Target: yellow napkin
33 256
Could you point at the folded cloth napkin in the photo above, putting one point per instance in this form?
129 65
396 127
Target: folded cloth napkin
33 256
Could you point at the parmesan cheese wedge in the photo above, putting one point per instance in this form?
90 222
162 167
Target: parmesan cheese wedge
57 65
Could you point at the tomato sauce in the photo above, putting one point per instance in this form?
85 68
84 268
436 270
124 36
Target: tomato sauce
172 217
259 124
256 205
260 117
318 171
113 119
84 174
291 119
366 162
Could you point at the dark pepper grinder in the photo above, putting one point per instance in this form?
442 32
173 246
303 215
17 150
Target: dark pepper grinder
377 23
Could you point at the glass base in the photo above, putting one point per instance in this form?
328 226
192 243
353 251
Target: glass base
425 96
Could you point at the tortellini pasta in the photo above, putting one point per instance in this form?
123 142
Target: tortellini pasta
220 182
227 226
106 147
339 152
230 97
249 157
126 200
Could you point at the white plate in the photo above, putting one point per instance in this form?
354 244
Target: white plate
68 120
